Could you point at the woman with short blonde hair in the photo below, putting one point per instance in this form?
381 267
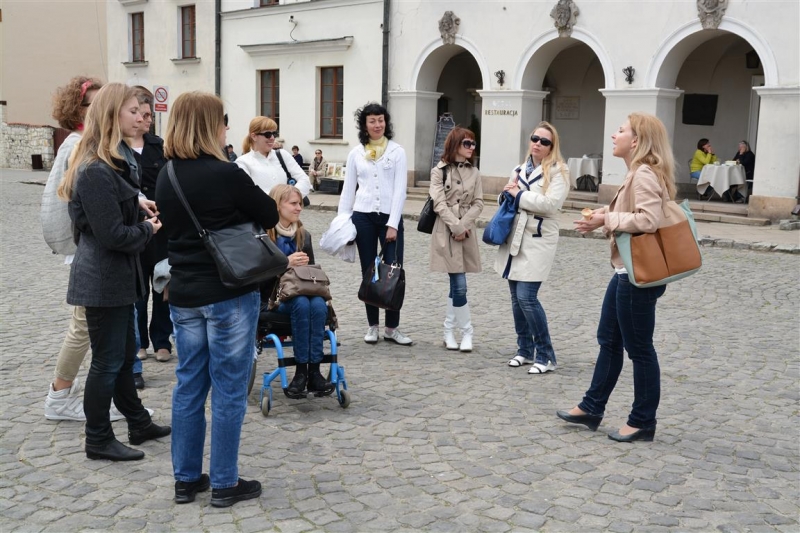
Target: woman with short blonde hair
215 327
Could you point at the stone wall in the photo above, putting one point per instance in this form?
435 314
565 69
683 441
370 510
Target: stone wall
19 141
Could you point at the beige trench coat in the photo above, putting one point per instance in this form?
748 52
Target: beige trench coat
528 253
457 204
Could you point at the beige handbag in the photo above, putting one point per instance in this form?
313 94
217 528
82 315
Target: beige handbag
308 280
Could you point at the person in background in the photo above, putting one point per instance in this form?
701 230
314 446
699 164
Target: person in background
458 202
317 169
265 164
215 327
296 155
102 185
149 151
704 155
231 154
745 157
308 313
539 187
628 316
373 195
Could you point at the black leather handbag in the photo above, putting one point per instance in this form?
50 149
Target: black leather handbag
243 253
384 286
427 217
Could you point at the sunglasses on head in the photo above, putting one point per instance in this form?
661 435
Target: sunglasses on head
268 134
467 143
541 140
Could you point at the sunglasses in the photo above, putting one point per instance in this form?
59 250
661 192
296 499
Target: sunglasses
466 143
541 140
225 119
85 104
268 134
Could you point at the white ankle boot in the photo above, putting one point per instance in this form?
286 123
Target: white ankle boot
464 322
449 327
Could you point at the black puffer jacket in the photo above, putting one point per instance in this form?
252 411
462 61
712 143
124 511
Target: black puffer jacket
105 214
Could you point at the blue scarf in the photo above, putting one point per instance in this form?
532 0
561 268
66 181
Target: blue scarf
287 245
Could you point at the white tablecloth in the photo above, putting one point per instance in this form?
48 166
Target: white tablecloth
582 166
722 177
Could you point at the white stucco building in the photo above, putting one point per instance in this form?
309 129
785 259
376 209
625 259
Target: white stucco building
501 69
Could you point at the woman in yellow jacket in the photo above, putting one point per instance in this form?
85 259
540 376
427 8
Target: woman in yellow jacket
704 155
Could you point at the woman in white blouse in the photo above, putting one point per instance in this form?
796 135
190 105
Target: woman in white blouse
377 166
263 164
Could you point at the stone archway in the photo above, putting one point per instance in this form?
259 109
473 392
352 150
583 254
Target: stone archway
428 66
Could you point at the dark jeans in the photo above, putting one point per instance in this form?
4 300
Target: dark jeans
530 322
370 230
627 322
308 326
160 323
458 289
111 334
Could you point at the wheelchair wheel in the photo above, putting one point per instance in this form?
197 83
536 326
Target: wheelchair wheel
252 377
344 399
265 406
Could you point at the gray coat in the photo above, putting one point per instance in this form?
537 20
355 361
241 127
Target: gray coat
105 213
458 203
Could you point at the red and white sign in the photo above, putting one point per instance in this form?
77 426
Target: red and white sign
161 94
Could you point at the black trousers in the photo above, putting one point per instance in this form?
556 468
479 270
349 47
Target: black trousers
110 376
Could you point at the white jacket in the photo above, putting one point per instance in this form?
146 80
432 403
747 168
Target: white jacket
56 224
339 239
381 184
267 172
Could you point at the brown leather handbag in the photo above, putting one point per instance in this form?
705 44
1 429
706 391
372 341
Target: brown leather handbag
307 280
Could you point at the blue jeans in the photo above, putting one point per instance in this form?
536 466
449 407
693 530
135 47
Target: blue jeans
137 363
694 175
627 322
215 349
308 326
370 230
530 322
458 289
111 333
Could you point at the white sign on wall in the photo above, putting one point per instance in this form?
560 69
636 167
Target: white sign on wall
568 107
161 94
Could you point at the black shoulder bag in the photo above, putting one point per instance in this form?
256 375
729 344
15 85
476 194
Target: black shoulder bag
243 254
289 179
427 217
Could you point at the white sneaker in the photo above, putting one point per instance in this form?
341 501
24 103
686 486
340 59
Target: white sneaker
115 415
66 404
395 336
539 368
372 335
142 355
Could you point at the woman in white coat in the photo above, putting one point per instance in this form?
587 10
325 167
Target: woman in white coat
269 166
539 187
457 196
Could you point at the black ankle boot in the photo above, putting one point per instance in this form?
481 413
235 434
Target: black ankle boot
297 388
153 431
316 383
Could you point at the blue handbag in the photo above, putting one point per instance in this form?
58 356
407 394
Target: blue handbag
499 228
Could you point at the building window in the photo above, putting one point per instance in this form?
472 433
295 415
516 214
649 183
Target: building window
331 102
137 37
188 33
270 95
263 3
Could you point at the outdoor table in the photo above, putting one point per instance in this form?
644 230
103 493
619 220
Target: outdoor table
722 177
584 166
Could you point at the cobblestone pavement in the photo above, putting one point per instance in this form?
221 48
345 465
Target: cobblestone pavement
437 440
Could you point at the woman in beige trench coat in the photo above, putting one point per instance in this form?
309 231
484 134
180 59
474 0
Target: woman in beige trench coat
458 201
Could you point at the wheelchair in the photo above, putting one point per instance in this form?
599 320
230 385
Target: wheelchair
275 331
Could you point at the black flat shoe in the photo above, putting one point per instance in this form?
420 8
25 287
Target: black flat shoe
645 434
297 388
244 490
138 380
153 431
113 451
590 421
185 491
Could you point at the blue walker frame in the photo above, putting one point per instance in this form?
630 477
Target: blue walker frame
337 378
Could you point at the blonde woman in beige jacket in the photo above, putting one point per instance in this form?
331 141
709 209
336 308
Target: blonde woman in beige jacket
539 187
628 316
458 201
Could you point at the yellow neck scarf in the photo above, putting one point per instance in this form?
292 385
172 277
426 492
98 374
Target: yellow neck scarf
375 149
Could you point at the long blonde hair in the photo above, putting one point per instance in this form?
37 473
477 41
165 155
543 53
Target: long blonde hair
194 127
281 193
101 135
554 158
653 149
257 125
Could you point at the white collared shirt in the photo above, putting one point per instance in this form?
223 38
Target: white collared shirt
381 184
266 172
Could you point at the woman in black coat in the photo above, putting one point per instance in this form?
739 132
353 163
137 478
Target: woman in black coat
102 188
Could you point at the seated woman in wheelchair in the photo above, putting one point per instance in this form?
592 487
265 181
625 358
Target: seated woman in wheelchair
308 314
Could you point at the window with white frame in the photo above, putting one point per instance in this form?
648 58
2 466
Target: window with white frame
331 102
137 37
188 33
270 94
